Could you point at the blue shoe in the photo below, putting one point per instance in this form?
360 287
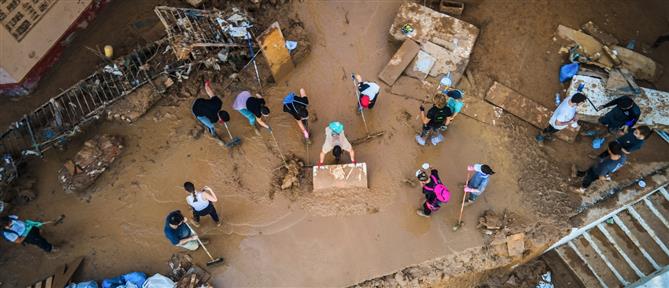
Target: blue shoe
420 140
597 143
540 138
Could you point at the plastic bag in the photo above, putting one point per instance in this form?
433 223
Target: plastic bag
87 284
137 278
158 281
568 71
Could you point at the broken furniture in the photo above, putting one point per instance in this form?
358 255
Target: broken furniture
60 277
273 46
526 109
340 176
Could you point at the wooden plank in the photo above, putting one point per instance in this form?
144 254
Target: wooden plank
526 109
273 46
481 110
340 176
589 44
63 274
399 62
599 34
49 282
641 66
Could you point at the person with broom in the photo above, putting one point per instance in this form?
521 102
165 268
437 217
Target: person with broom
335 141
436 193
434 121
208 111
368 93
24 232
296 106
177 231
253 108
478 181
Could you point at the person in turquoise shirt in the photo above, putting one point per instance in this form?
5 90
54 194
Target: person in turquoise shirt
454 101
24 232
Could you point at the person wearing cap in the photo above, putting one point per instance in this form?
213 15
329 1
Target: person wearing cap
436 193
434 121
563 116
369 93
177 231
253 108
296 106
623 116
25 232
454 101
208 111
478 182
335 141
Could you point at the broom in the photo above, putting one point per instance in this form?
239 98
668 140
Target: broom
213 261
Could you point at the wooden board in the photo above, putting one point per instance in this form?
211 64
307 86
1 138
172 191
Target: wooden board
64 273
399 62
420 65
599 34
480 110
526 109
641 66
340 176
273 47
589 44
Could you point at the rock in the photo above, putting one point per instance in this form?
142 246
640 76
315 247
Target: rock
490 221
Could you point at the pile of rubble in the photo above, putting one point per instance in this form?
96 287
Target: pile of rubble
186 274
93 159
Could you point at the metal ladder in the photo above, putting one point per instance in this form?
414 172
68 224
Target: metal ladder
625 248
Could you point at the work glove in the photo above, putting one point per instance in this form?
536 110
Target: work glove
422 109
470 168
269 128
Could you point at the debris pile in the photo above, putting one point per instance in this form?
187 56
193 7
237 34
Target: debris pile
20 192
93 159
134 105
289 177
186 274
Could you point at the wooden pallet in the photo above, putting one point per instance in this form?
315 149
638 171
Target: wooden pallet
60 277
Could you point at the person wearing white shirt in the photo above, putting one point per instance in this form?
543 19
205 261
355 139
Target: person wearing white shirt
562 117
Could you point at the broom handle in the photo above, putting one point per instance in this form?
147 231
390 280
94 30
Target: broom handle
357 96
462 206
200 241
228 130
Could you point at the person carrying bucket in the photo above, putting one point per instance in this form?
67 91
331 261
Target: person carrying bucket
369 93
436 193
208 111
297 106
335 141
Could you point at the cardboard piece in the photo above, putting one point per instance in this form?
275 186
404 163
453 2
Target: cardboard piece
421 65
526 109
273 47
599 34
399 62
340 176
515 244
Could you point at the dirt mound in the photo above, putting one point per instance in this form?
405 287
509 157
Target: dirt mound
93 159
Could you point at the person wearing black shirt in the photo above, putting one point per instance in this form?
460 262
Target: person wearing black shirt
208 111
297 107
436 117
625 113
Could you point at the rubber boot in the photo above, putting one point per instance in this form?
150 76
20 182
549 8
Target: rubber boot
420 140
437 139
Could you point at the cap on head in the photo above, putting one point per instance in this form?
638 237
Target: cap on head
625 103
421 175
364 101
578 98
487 170
223 116
175 218
336 127
455 94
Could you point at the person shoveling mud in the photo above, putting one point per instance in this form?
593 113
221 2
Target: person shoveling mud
297 106
437 117
26 232
436 193
335 141
208 112
478 182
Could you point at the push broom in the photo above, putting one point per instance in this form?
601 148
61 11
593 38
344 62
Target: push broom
212 261
234 141
362 113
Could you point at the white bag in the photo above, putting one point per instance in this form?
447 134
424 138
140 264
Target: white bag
158 281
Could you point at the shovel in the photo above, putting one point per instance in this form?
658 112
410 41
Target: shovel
362 113
462 206
234 141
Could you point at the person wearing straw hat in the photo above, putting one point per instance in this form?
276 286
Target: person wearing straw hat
335 141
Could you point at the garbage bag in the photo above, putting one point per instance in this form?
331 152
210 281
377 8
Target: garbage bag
158 281
136 278
113 282
87 284
568 71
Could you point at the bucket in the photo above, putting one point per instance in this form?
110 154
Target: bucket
109 51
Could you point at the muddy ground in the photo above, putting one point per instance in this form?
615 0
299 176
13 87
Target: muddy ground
299 241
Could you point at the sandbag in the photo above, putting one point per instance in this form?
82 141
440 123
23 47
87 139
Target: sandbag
158 281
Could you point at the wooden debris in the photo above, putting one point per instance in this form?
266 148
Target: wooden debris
600 35
590 46
273 46
526 109
399 62
515 244
641 66
421 65
451 7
